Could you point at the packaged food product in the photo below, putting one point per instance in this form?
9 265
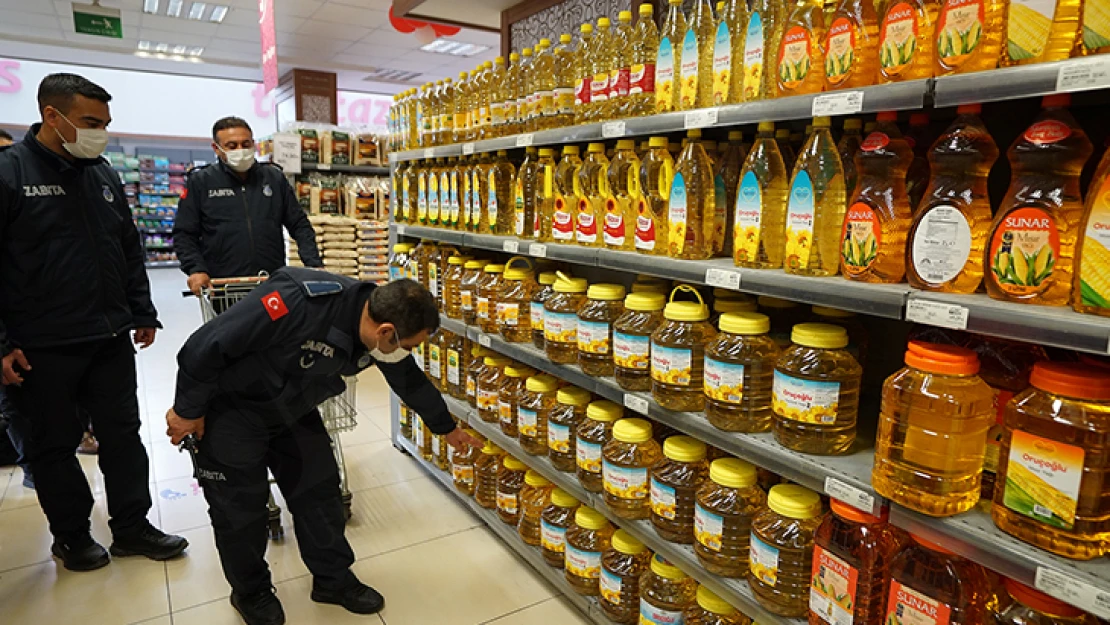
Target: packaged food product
627 459
534 498
713 610
906 39
485 475
499 199
724 507
399 261
489 388
487 292
692 203
759 217
801 59
782 549
816 204
562 427
656 173
589 537
1090 287
567 194
668 62
930 584
761 49
463 466
643 313
642 50
468 291
541 224
619 227
1030 605
591 435
851 46
510 480
739 373
509 396
536 311
622 565
678 354
665 593
454 362
533 411
593 194
596 315
674 483
474 369
560 319
554 521
514 304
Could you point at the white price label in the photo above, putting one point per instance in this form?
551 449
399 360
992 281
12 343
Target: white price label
483 340
1078 593
511 247
400 230
722 278
1083 75
523 141
700 118
612 129
938 314
429 153
638 404
323 166
539 250
468 148
287 152
842 103
850 495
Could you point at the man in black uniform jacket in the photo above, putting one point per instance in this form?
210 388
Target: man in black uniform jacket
230 217
72 288
248 384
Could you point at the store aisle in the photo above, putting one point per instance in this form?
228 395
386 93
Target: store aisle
433 561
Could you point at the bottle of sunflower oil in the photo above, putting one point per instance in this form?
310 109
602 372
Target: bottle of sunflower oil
514 303
724 507
593 185
432 216
666 593
761 47
668 60
621 207
560 319
487 93
816 207
447 113
534 498
545 195
873 247
524 94
445 191
1033 606
691 203
591 436
545 80
678 354
561 211
622 566
500 196
713 610
641 54
507 94
524 195
801 56
782 549
726 181
851 46
1091 288
430 114
588 538
970 35
457 166
510 481
627 459
603 306
599 59
656 175
565 79
474 129
728 51
906 39
488 292
739 372
930 584
556 518
1039 31
583 73
696 69
1033 236
508 398
485 475
760 215
459 112
674 482
620 67
497 84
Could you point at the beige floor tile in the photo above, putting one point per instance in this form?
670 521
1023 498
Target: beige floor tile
182 504
158 620
555 611
17 496
403 514
378 464
167 462
299 608
366 431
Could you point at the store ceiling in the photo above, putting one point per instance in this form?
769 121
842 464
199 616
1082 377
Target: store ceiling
350 37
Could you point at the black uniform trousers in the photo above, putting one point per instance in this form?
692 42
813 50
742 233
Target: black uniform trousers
238 446
98 376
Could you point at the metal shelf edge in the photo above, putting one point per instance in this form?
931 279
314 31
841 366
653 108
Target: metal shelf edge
1009 83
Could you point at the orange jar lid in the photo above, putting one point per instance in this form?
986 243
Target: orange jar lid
1072 380
928 544
1039 601
852 513
945 359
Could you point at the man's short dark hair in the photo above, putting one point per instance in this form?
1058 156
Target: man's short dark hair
229 122
4 135
407 305
60 90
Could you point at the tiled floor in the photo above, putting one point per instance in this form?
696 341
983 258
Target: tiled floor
435 563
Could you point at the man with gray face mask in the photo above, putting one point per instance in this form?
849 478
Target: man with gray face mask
230 218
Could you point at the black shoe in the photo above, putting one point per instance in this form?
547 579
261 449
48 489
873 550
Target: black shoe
149 541
357 597
81 553
260 608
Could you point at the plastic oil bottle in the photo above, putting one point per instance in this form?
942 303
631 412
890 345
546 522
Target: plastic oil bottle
544 83
848 148
564 58
485 475
675 481
497 83
851 46
759 217
724 507
534 498
619 230
627 459
949 230
641 53
524 194
801 57
588 538
761 48
656 173
1033 606
1039 32
584 75
873 247
666 593
571 404
598 59
969 35
560 318
554 521
524 93
906 39
691 203
816 207
507 94
1090 289
930 584
725 182
696 69
782 549
545 195
1032 241
728 52
739 372
620 67
593 184
567 194
678 354
499 195
713 610
668 61
622 565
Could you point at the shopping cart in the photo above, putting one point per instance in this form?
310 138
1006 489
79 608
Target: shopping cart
338 413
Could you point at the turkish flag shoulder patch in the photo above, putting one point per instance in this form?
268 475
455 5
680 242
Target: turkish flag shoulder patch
185 193
275 306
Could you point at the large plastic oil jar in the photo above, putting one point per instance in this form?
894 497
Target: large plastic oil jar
454 378
858 341
474 369
588 538
674 483
713 610
1033 607
739 373
464 459
929 584
489 287
851 566
784 315
782 549
554 521
509 397
562 427
399 261
514 304
724 507
534 498
627 460
435 367
622 565
468 291
678 354
452 283
510 481
643 314
602 307
485 475
816 391
440 451
533 411
651 284
560 319
933 431
666 593
489 387
406 421
592 434
1053 465
722 306
539 298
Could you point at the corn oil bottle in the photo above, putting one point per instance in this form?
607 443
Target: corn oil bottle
851 46
906 39
801 55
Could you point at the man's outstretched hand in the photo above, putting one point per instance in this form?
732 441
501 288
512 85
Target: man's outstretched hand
459 437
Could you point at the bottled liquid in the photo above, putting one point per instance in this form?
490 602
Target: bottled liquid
1091 291
873 247
1032 240
801 57
674 483
643 314
678 354
514 303
534 498
726 180
499 195
622 565
545 195
399 261
816 208
485 475
949 231
591 436
641 53
483 215
431 218
560 319
858 340
567 195
789 154
620 67
906 39
484 99
739 374
782 549
536 312
1036 608
668 61
969 36
497 83
728 52
583 72
596 315
724 507
454 382
696 69
593 185
489 387
545 79
665 593
759 218
619 229
566 77
847 149
713 610
587 539
554 521
816 391
761 47
562 427
463 461
509 395
468 291
460 110
598 59
524 194
851 566
1038 32
851 46
508 90
627 459
533 412
691 203
510 480
656 172
474 369
488 289
927 579
1050 470
452 281
917 176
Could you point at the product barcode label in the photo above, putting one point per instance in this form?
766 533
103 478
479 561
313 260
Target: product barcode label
539 250
700 118
939 314
468 148
842 103
523 141
722 278
612 129
429 153
1078 593
483 340
638 404
511 247
1082 75
323 166
850 495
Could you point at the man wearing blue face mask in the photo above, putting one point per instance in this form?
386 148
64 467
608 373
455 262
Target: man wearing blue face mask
230 218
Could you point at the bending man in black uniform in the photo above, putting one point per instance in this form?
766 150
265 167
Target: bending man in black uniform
248 385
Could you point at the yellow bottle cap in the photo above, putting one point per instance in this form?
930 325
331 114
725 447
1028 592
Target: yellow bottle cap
720 293
514 57
766 301
826 311
402 247
819 335
518 273
603 22
487 64
661 567
517 371
475 264
646 9
853 123
545 42
513 464
542 384
710 602
547 152
645 302
526 52
626 144
491 450
547 277
720 6
683 448
657 142
588 518
478 350
796 502
531 150
563 499
499 61
596 148
735 135
693 133
624 16
686 311
745 323
573 396
586 28
734 306
604 410
650 287
627 543
502 152
782 133
565 38
632 430
571 149
733 473
606 292
494 268
674 2
766 126
456 260
566 284
497 361
532 478
822 122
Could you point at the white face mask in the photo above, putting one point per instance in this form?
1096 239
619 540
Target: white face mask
90 142
239 160
392 357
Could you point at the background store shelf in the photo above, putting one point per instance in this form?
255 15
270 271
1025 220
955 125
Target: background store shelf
159 264
1080 74
369 170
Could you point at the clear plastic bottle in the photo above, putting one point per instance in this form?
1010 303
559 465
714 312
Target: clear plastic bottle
906 39
782 549
534 498
761 47
589 537
565 78
627 459
593 185
929 583
852 46
668 62
598 60
485 475
642 51
620 67
583 72
510 481
474 370
514 303
674 484
508 90
488 289
435 366
560 319
816 391
544 81
463 461
567 195
678 354
454 377
1040 32
409 194
468 291
622 565
452 281
459 109
665 593
739 374
562 427
509 396
524 195
554 521
489 387
435 174
1033 607
591 436
399 261
759 216
815 213
696 68
801 51
728 52
632 339
691 203
497 82
596 315
656 174
724 507
970 35
536 312
545 196
621 208
499 195
847 148
533 412
713 610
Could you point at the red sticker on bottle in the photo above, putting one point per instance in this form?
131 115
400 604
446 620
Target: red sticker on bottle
875 141
1047 131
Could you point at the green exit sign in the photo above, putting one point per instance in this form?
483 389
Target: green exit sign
93 19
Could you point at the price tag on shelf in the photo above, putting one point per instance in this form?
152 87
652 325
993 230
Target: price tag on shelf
855 497
722 278
287 152
1082 75
539 250
700 118
1078 593
952 316
842 103
635 403
612 129
511 247
323 166
468 148
400 230
429 153
523 141
483 340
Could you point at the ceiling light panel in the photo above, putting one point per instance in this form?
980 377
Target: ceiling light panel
196 11
150 6
219 12
173 9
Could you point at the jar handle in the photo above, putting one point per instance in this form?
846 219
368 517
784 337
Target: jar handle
687 287
527 262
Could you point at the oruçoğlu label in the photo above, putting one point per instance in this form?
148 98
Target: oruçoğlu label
678 213
709 528
747 219
664 76
724 381
1094 255
536 314
652 615
688 95
808 401
1023 252
722 63
663 501
610 586
587 456
671 365
560 327
959 30
898 38
631 351
907 606
508 313
860 239
941 244
753 57
832 590
799 222
558 437
625 482
593 337
764 561
552 537
527 422
463 473
840 50
1043 478
585 564
795 57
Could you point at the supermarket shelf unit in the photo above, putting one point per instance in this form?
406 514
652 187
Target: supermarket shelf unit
368 170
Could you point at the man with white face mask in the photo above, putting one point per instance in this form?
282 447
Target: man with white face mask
230 218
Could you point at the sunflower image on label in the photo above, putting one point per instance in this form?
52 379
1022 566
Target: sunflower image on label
662 500
466 300
587 456
553 537
505 412
466 200
795 58
676 237
1028 28
562 221
560 327
536 312
527 422
610 586
724 381
747 218
507 502
708 528
491 203
671 365
688 94
664 76
462 473
898 38
483 308
508 313
585 564
631 351
487 400
1094 255
587 222
832 590
614 222
433 198
1043 478
593 337
1023 252
753 57
764 561
840 50
941 244
906 606
799 222
808 401
625 482
860 238
722 63
454 218
652 615
959 30
558 438
645 226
